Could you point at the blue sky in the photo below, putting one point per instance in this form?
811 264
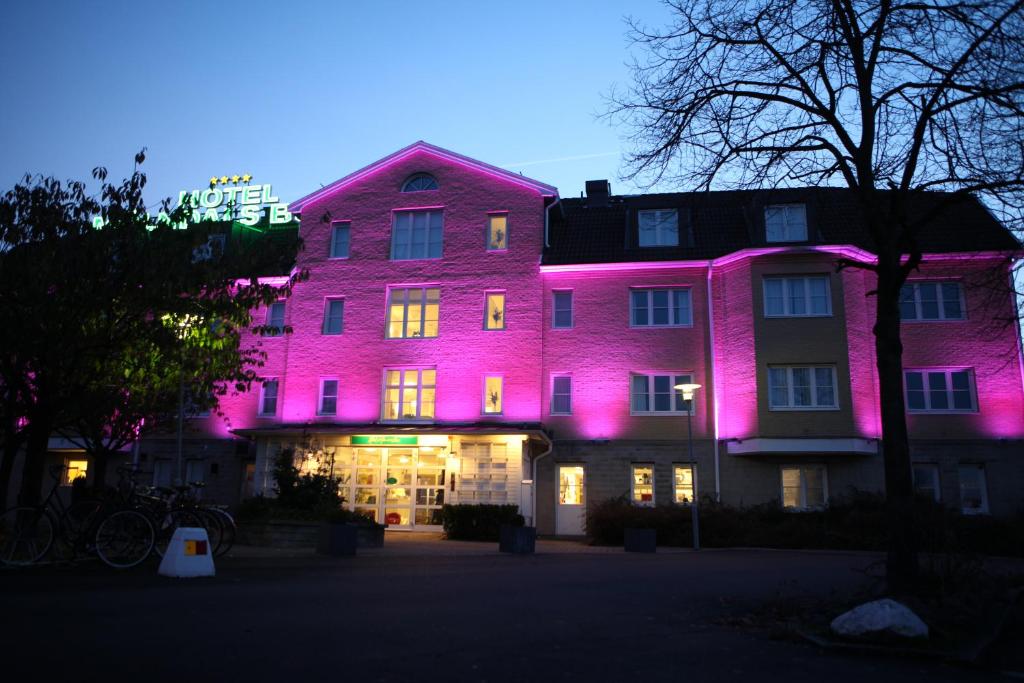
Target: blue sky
300 93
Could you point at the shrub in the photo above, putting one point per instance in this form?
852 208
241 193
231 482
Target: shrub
478 522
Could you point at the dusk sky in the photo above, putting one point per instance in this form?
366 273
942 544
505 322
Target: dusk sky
300 94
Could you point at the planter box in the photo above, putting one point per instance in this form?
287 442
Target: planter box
641 540
337 540
519 540
279 534
369 535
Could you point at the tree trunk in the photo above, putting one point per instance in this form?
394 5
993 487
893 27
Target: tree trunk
10 454
100 459
35 461
901 561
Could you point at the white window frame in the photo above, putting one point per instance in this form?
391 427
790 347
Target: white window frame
933 475
486 397
693 478
633 467
556 376
321 395
940 302
673 293
335 225
405 312
790 388
261 408
397 214
554 309
787 226
418 176
659 237
674 378
274 330
984 509
489 229
926 387
804 507
786 281
327 316
487 310
420 386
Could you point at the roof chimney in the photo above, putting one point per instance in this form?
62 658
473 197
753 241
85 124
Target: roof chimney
598 192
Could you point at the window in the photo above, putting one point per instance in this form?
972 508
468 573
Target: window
931 301
562 316
334 316
973 490
561 395
926 481
409 393
804 488
939 390
416 235
162 472
74 469
268 398
684 484
413 312
656 394
642 485
493 394
785 223
339 239
275 319
659 228
494 311
660 308
797 296
195 471
802 387
420 182
328 401
497 232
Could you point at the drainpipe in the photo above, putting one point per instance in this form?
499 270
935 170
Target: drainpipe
714 383
547 220
533 502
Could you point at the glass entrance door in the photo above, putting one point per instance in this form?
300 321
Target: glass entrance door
400 487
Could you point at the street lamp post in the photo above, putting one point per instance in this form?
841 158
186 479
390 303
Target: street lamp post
688 390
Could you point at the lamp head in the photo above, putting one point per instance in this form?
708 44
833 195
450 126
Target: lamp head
687 390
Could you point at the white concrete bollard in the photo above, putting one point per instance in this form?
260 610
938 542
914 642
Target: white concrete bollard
188 554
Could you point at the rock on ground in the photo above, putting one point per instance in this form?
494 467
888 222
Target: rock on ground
880 618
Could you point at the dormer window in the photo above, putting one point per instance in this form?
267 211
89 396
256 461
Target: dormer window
658 228
420 182
785 223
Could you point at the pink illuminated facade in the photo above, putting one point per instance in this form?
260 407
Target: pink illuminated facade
466 335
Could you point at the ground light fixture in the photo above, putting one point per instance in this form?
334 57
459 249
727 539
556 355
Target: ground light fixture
688 390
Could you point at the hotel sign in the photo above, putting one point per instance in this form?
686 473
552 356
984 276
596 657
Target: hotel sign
385 440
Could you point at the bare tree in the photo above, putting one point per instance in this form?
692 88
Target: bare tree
889 98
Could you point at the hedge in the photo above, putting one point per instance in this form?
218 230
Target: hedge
478 522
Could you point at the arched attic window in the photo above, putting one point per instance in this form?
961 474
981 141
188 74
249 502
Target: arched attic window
419 183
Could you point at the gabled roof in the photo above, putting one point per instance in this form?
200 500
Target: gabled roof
714 224
421 146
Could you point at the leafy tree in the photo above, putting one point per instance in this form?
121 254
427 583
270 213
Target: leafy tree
890 99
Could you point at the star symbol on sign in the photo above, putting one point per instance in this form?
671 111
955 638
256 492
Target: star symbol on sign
223 180
246 178
213 180
234 179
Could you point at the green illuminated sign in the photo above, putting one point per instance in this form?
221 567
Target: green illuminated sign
385 440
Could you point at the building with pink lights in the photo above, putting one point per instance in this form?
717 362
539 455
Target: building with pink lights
468 336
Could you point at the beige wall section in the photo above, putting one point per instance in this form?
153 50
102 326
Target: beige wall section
796 341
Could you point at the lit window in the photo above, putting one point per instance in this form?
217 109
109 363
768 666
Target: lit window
931 301
659 228
939 390
656 394
495 311
74 469
804 488
493 394
660 308
785 223
797 296
926 481
339 239
561 395
419 183
642 485
275 319
334 316
416 235
413 312
973 490
409 393
562 316
268 398
684 484
497 232
328 403
802 387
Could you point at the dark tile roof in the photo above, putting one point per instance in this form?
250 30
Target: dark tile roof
714 224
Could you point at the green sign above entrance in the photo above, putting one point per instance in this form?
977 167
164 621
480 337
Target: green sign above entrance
385 440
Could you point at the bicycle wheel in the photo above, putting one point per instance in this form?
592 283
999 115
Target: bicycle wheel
228 531
214 528
167 522
124 539
26 535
